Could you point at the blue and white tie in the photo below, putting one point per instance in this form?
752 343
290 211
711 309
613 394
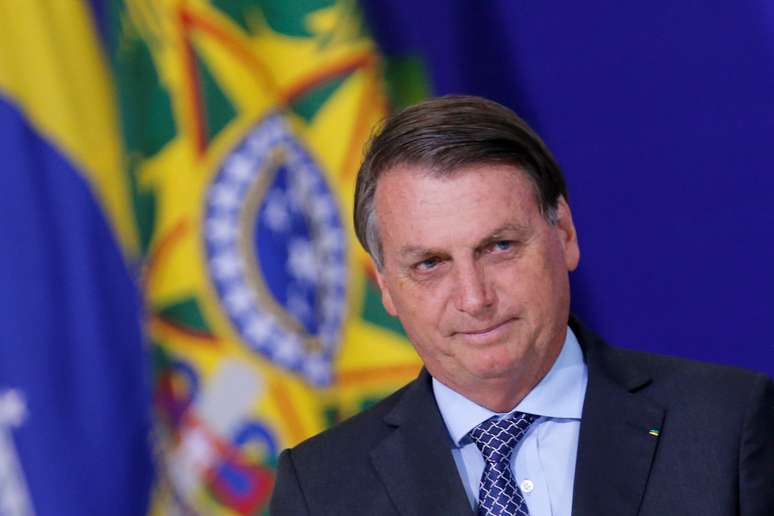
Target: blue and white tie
498 493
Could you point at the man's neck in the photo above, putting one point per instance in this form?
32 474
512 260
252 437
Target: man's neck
502 394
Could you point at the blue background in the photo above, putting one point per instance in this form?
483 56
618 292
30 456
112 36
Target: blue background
662 117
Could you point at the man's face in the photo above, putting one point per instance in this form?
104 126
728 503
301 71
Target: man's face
475 273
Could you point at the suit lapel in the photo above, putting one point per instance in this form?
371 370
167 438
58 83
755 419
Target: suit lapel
615 448
616 445
414 461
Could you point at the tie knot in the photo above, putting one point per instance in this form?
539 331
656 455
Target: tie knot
496 438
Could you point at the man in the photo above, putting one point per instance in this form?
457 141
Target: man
519 409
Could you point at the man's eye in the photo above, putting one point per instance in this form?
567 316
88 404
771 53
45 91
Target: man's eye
502 245
427 264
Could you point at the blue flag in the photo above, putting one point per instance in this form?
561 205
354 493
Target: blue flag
74 417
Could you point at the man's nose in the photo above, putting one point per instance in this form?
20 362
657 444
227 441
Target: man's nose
474 295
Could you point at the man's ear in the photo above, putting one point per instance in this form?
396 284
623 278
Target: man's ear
386 297
567 235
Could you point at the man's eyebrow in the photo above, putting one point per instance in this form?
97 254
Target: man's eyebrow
504 231
415 251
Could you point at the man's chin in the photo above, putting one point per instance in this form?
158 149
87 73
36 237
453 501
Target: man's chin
493 368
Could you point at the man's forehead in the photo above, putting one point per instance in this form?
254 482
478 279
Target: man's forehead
419 212
441 171
400 171
401 180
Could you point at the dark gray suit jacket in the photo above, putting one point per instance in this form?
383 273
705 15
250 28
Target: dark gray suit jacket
714 455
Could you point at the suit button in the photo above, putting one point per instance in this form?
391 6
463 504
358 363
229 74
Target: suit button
527 486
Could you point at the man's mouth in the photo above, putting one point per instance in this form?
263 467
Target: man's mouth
486 333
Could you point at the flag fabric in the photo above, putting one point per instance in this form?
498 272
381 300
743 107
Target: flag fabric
243 124
74 397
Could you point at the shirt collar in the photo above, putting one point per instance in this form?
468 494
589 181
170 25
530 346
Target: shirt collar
559 394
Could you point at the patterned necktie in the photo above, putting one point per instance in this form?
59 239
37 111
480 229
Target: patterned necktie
498 493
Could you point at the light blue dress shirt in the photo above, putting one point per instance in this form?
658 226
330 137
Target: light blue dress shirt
543 463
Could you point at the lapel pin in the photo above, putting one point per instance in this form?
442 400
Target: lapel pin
654 432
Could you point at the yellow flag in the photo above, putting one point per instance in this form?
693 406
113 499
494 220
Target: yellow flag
243 124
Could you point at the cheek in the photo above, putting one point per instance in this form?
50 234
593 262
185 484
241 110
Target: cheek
421 310
552 291
387 302
534 283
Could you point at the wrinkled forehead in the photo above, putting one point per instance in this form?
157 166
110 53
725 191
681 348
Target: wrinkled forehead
435 171
410 190
422 213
